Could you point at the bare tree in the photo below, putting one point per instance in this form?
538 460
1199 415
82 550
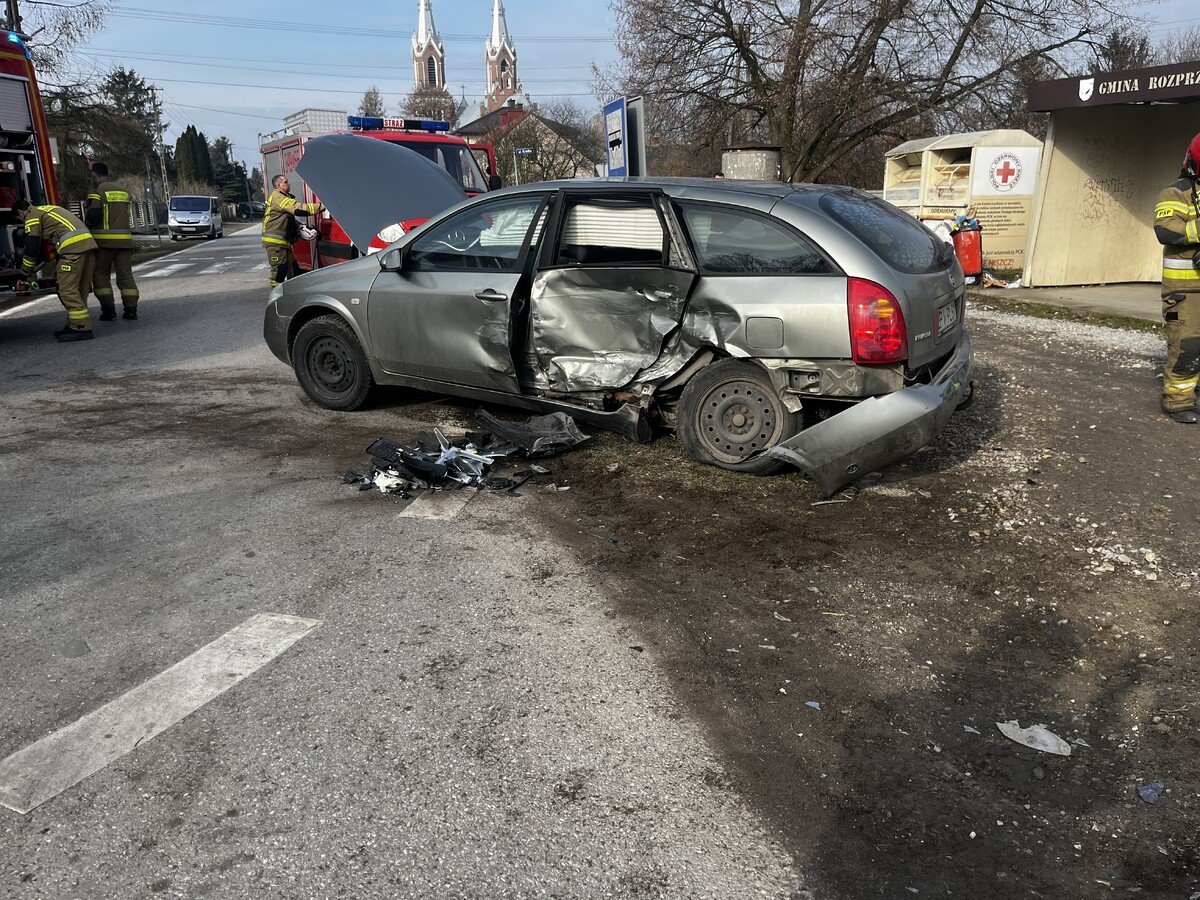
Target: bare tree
57 27
430 103
820 78
1179 47
565 142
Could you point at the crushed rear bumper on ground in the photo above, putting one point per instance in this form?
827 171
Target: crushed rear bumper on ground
880 430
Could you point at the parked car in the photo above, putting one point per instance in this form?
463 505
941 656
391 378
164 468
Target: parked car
191 216
250 210
764 323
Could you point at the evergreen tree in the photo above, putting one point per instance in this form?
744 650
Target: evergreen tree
229 177
372 103
204 166
185 156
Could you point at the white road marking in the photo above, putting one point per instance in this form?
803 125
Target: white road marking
166 270
26 305
218 268
438 504
259 267
61 760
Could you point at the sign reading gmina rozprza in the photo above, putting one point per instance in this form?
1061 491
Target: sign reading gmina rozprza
1157 84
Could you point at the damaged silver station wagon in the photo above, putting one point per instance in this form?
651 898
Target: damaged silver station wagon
764 323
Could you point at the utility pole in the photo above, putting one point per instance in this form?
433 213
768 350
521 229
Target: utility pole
162 153
13 19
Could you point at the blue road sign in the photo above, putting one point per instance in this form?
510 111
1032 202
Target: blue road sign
615 130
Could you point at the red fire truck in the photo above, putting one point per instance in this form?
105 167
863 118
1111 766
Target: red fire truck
26 157
281 153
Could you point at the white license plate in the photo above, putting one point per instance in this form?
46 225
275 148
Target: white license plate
947 318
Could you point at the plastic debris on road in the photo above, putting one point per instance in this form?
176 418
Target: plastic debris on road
1036 737
1152 792
437 462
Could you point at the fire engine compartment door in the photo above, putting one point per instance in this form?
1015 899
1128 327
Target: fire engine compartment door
369 184
611 286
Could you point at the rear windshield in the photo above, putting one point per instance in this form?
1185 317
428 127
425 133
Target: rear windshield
190 204
899 239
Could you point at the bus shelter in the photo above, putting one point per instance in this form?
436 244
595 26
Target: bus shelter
1113 142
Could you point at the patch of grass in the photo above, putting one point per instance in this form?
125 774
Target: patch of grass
1061 313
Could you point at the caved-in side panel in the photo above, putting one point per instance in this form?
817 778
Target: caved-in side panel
597 328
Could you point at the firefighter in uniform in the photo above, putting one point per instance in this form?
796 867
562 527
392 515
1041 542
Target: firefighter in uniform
279 229
1177 227
108 213
76 256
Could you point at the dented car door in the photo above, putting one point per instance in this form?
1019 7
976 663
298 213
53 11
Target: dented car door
446 314
611 284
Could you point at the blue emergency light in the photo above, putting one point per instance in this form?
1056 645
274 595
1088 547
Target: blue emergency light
376 123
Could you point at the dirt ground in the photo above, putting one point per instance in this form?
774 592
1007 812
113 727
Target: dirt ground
852 658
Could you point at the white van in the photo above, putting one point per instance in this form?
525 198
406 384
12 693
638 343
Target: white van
189 216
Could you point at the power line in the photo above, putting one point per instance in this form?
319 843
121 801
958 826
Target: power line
154 56
314 90
154 15
360 78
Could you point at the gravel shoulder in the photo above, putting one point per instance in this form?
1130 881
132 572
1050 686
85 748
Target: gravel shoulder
1037 564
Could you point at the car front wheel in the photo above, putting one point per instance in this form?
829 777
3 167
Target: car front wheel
729 414
330 364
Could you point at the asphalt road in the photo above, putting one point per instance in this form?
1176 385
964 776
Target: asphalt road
468 720
600 693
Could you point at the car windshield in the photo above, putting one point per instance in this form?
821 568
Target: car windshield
896 237
190 204
456 159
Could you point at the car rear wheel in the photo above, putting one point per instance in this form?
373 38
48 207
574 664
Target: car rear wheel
729 413
330 364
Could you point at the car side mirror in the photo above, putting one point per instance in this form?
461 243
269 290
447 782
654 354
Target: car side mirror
392 260
495 182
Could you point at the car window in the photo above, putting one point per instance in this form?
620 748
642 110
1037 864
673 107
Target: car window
730 241
611 233
896 237
489 236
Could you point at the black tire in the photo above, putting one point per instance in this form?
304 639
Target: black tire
330 364
174 237
729 413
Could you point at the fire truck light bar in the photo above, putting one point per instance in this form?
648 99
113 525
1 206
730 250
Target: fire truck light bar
375 123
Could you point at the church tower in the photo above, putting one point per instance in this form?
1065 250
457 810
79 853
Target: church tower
429 53
500 62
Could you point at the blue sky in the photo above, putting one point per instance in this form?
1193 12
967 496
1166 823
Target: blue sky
359 42
362 42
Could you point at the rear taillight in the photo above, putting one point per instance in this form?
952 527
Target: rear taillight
877 332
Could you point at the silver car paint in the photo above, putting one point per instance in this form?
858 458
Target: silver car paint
879 430
589 353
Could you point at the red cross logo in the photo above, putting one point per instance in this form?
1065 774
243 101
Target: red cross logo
1006 172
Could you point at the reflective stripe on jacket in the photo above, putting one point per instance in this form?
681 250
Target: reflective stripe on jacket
1177 227
280 208
58 227
116 216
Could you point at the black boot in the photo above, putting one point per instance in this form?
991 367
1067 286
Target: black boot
129 314
1183 416
67 335
108 315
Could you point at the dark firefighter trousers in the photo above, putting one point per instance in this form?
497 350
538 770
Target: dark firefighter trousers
120 260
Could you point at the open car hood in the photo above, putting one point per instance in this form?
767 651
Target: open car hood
369 184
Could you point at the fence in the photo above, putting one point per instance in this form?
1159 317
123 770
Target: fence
141 211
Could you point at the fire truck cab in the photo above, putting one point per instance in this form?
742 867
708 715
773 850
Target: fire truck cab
26 156
281 154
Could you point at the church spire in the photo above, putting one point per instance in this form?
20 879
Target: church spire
500 61
427 32
429 53
499 35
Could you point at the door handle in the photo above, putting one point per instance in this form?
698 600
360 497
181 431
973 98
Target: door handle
489 294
